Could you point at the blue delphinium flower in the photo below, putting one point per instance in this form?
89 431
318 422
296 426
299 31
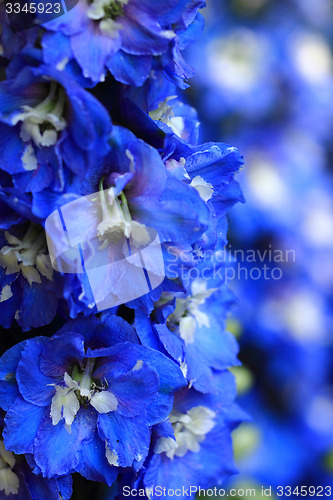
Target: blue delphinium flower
85 399
121 35
48 122
190 326
211 168
193 447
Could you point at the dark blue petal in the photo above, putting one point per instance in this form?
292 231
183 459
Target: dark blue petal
178 215
38 305
42 489
215 163
87 327
192 33
65 484
8 365
170 376
11 149
128 438
90 123
160 8
60 354
180 12
34 386
73 22
11 101
134 390
56 48
129 69
147 335
216 347
7 216
141 34
213 464
57 452
230 195
21 424
93 463
112 330
172 344
34 181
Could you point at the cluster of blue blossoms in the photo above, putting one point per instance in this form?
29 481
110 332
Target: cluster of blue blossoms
139 394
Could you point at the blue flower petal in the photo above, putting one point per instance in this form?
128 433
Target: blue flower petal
8 365
73 22
129 69
92 49
146 333
34 386
42 489
21 424
146 38
38 305
60 353
93 463
127 438
11 150
230 195
178 215
57 452
65 484
215 163
7 216
134 390
172 343
170 376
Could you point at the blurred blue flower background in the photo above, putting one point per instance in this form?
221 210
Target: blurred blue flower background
264 83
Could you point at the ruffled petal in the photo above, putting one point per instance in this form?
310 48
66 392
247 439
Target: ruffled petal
60 354
93 463
134 390
127 438
21 424
57 451
170 376
129 69
8 365
34 386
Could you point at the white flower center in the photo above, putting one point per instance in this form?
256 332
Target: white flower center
164 113
190 430
42 123
106 12
187 315
117 221
28 256
68 398
9 482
